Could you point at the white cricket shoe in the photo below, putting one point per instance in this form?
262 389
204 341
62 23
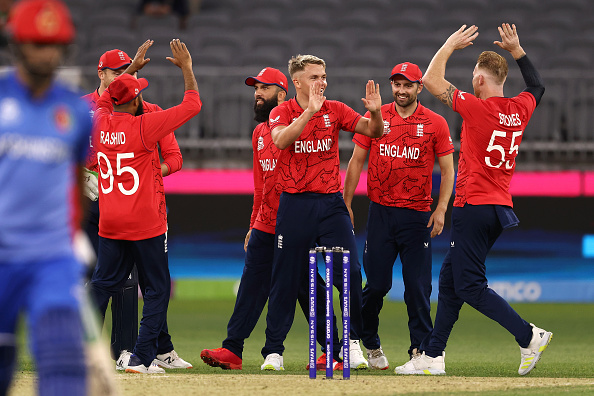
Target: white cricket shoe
122 362
423 364
171 360
134 366
530 355
273 361
377 359
357 360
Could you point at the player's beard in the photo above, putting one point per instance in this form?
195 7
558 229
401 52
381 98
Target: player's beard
262 111
140 109
40 72
409 101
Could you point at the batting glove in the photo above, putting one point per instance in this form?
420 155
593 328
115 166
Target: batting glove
90 184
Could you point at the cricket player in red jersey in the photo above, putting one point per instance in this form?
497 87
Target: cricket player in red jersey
311 208
133 221
124 304
270 90
490 139
400 221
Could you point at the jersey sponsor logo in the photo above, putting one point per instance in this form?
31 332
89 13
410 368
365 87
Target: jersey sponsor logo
390 150
113 138
268 164
452 244
419 130
327 122
461 95
10 111
280 241
510 119
42 149
274 119
313 146
426 245
260 143
386 127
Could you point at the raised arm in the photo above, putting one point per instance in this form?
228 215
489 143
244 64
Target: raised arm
158 124
434 78
182 59
511 42
374 125
284 136
139 61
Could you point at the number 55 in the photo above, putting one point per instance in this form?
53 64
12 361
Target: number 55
493 146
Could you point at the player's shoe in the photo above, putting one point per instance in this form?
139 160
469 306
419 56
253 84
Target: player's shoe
377 359
273 361
423 364
530 355
321 364
171 360
122 362
135 366
221 357
357 360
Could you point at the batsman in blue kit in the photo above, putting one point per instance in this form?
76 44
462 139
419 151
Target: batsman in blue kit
44 135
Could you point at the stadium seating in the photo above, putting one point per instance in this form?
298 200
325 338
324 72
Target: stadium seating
230 39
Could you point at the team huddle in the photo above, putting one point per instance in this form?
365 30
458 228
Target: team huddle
299 203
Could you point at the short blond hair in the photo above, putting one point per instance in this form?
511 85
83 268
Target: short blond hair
494 64
298 63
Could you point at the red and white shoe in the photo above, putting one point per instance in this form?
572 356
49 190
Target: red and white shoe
321 364
221 357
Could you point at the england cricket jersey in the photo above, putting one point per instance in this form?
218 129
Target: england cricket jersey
131 194
311 163
42 141
169 148
266 190
489 142
400 165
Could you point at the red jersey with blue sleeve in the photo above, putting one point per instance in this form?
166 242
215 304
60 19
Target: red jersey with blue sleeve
131 194
169 147
489 142
400 166
266 190
311 163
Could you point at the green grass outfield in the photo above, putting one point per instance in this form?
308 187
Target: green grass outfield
478 347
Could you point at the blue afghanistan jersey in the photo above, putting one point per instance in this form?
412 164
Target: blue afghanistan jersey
42 140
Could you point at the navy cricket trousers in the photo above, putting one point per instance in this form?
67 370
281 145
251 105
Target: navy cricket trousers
462 279
254 290
392 231
304 221
116 258
122 311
